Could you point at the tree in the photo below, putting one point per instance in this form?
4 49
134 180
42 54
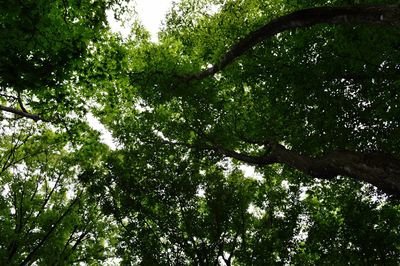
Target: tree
44 45
46 217
380 169
363 160
296 102
307 95
370 162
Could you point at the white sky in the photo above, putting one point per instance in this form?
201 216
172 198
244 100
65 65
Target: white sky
150 12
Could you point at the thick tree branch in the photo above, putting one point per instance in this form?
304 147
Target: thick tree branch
378 169
351 15
22 113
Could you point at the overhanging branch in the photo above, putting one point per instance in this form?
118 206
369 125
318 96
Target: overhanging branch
350 15
378 169
34 117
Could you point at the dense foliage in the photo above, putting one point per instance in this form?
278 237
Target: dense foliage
230 149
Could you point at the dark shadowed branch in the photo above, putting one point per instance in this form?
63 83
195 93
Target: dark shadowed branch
379 169
350 15
22 113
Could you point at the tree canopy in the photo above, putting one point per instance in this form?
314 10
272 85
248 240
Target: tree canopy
252 133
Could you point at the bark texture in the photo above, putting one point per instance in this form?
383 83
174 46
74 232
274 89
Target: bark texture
379 169
388 15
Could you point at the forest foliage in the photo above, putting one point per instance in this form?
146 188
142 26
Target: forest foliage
304 93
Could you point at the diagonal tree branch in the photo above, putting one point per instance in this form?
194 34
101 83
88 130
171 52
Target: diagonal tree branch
350 15
21 105
376 168
31 255
22 113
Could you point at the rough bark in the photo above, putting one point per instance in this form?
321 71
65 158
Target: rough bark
352 15
379 169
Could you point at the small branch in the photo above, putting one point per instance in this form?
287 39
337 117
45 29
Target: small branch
48 195
20 103
71 236
10 160
53 227
254 160
81 238
8 96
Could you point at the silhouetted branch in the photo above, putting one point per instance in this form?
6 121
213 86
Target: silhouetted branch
350 15
22 113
